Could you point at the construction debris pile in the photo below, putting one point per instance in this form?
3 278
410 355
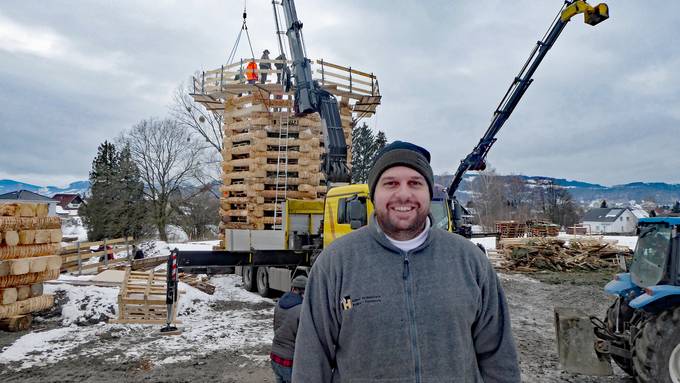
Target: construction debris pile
29 255
533 254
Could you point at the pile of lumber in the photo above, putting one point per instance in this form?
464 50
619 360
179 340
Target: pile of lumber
29 255
197 282
511 229
533 254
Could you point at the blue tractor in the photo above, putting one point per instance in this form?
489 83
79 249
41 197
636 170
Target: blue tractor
641 331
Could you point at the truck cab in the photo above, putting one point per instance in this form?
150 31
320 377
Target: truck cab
346 208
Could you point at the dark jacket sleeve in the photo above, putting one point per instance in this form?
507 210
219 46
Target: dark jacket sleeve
318 330
492 335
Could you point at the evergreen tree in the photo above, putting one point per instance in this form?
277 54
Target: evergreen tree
131 207
362 152
96 213
603 205
116 205
365 146
378 144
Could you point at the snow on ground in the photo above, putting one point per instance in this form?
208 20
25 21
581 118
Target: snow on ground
72 227
232 318
488 242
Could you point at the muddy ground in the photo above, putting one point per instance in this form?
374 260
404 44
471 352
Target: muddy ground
531 299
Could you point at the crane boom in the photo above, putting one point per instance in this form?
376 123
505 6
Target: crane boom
311 98
476 159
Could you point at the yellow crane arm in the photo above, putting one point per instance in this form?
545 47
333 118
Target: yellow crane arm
591 15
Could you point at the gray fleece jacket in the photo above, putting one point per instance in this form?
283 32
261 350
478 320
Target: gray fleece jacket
373 313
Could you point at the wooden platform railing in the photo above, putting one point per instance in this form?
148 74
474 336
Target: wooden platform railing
338 79
74 256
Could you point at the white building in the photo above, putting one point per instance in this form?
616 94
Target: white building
611 220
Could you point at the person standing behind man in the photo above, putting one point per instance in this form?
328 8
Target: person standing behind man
286 318
401 301
279 67
264 66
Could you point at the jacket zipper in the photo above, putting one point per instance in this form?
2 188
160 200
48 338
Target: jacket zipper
412 316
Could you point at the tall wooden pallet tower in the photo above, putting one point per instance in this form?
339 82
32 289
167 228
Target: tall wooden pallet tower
271 154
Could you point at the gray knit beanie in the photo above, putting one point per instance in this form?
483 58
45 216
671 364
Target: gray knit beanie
400 153
299 282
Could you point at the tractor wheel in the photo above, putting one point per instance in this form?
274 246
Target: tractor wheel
263 281
610 321
656 354
249 273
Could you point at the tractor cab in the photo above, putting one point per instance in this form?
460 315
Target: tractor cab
655 261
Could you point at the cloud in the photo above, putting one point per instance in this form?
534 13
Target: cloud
46 44
602 103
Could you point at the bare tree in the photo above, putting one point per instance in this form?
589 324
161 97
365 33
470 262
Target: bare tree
489 198
167 157
194 117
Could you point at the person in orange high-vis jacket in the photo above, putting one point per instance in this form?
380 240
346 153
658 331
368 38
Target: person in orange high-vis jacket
251 72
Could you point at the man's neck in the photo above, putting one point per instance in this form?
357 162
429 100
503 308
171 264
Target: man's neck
402 236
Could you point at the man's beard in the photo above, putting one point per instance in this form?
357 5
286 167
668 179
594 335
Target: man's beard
398 233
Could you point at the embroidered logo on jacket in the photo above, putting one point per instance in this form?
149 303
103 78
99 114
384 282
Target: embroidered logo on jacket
346 303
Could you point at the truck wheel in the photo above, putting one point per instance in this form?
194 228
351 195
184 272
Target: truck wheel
263 281
656 352
249 277
610 321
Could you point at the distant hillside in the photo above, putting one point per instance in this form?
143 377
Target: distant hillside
585 193
79 187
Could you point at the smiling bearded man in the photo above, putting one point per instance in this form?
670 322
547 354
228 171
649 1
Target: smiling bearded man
401 301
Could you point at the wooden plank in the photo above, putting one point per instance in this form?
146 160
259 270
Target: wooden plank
73 266
97 243
77 282
84 255
143 321
354 89
336 66
353 79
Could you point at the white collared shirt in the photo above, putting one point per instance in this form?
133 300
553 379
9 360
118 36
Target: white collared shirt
411 244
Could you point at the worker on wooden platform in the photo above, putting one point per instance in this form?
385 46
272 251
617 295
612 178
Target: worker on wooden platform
401 301
286 318
279 67
264 66
251 72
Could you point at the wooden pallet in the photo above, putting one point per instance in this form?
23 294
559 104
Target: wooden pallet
197 282
142 299
511 229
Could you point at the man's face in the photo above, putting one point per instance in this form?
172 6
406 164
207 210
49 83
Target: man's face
402 202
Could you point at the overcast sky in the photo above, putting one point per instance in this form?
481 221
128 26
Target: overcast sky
604 106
